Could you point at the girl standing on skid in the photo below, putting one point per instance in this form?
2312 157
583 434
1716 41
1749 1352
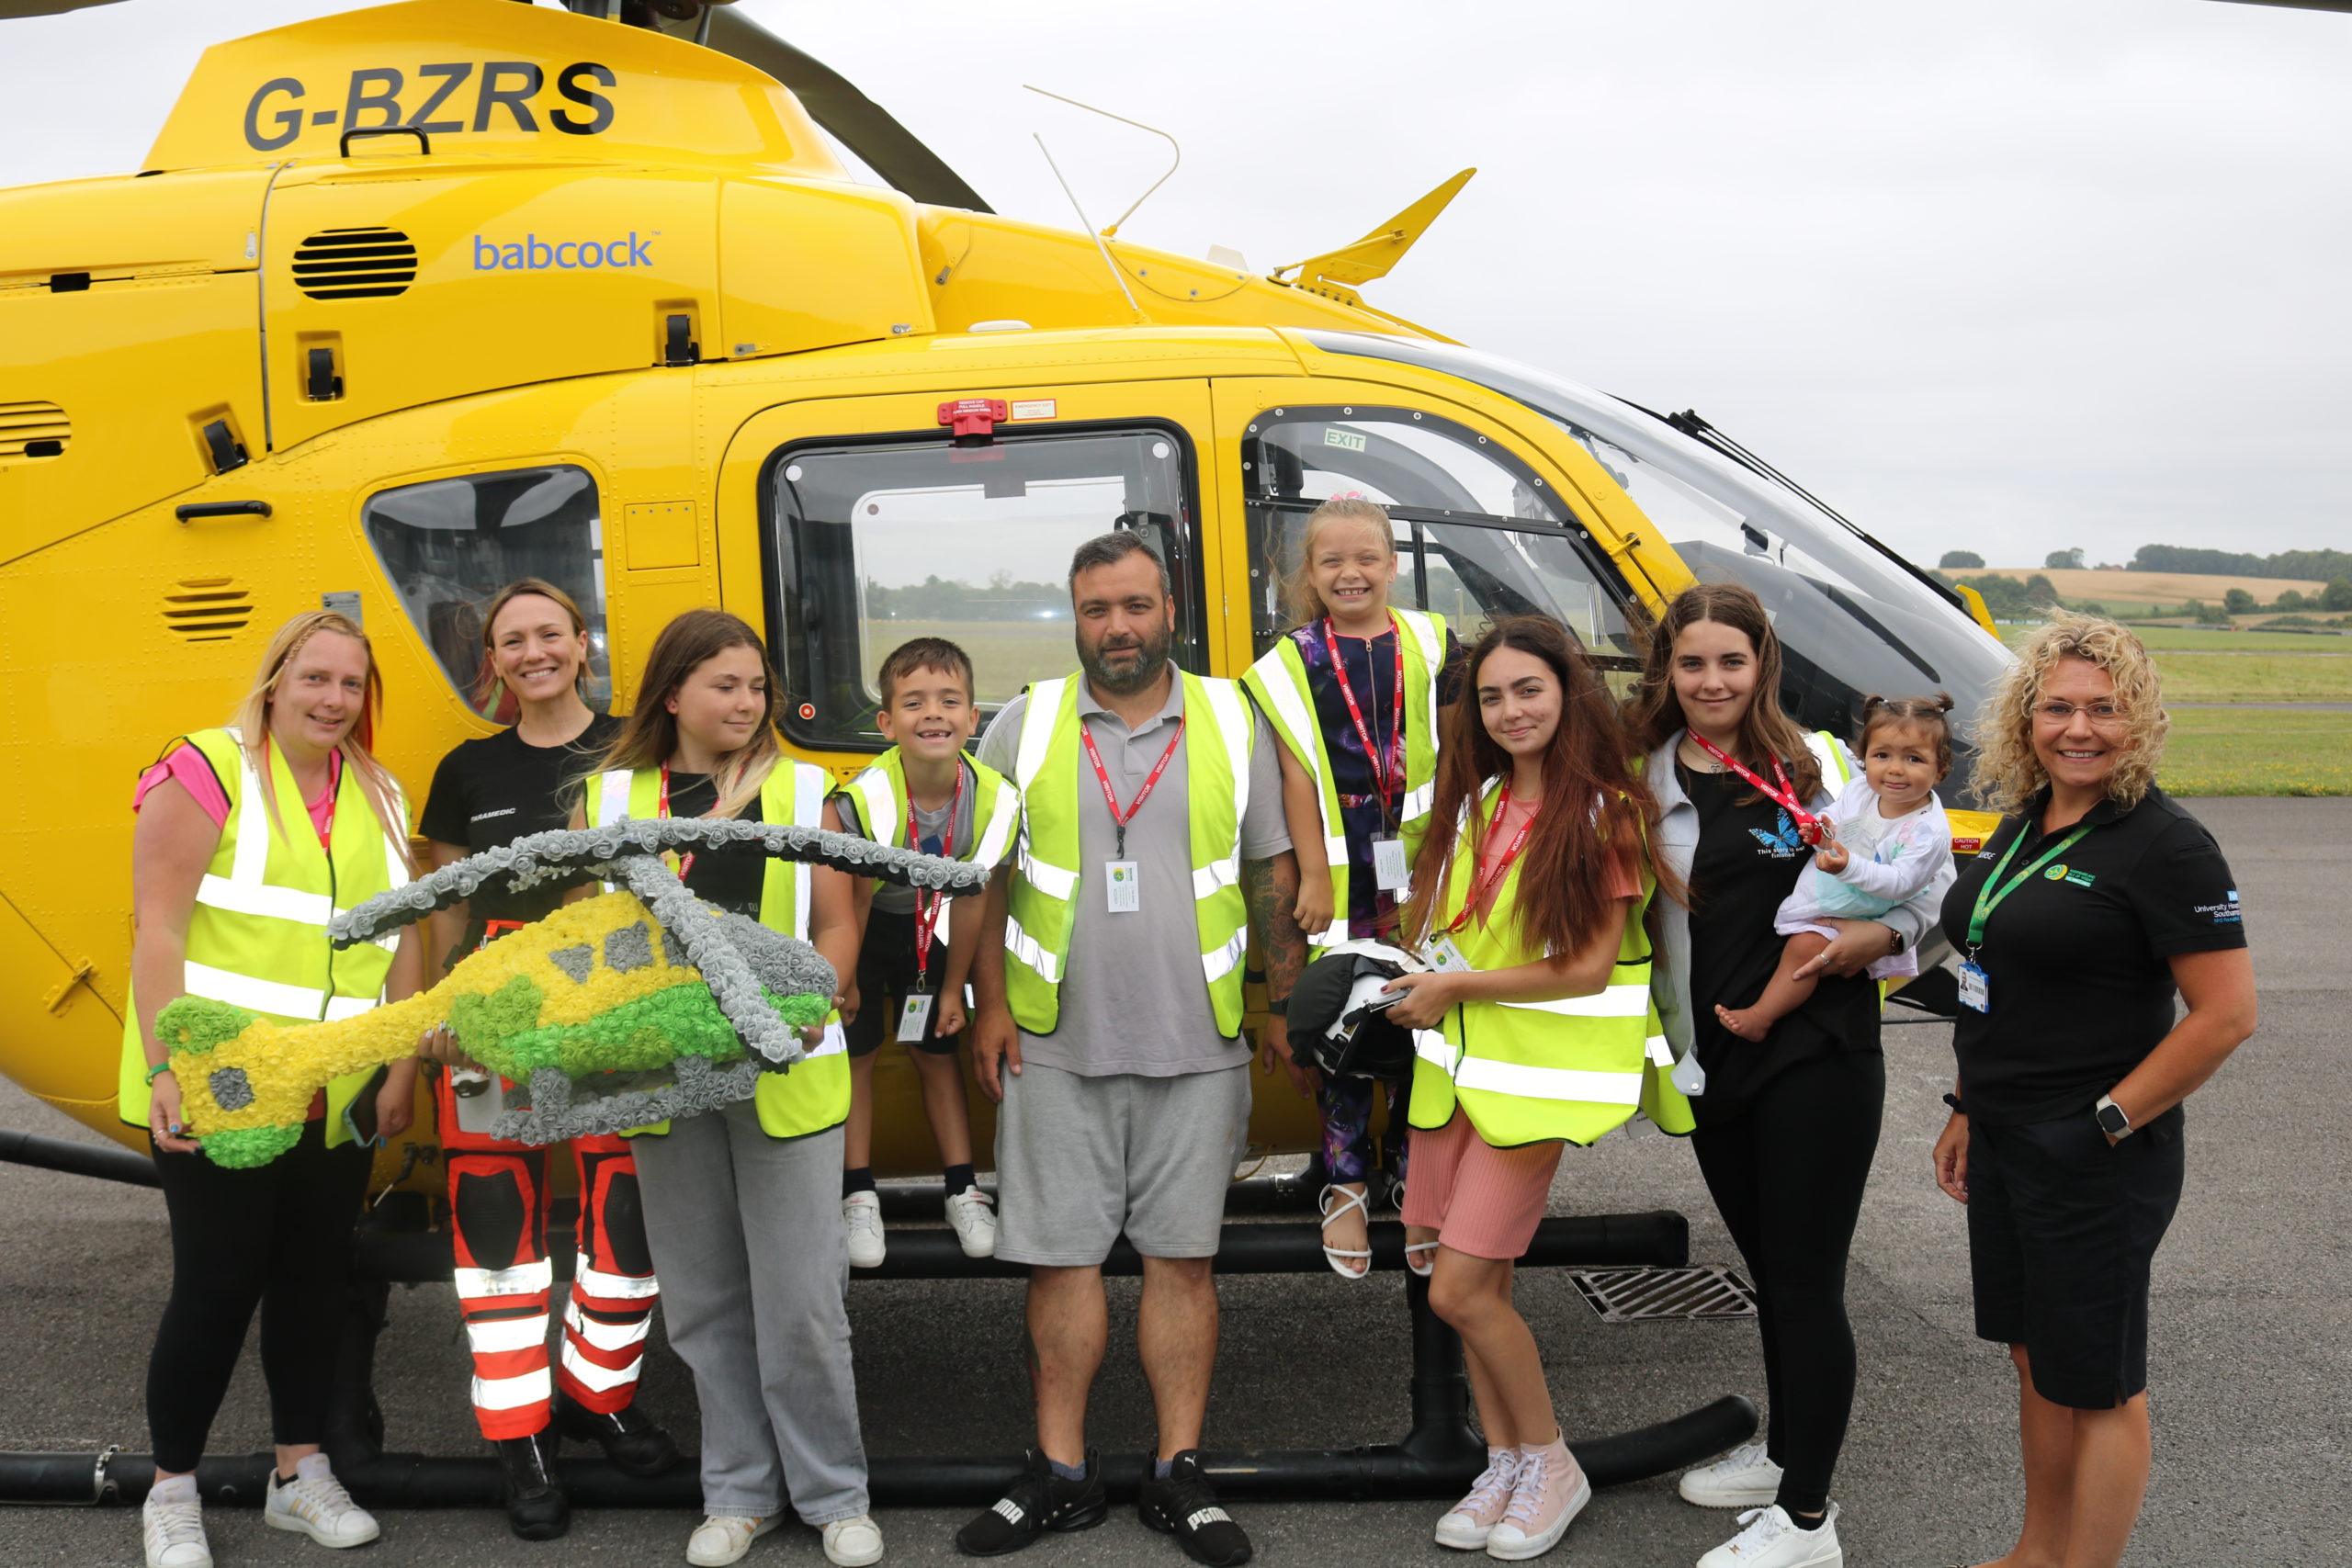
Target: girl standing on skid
1356 690
743 1204
1528 893
250 837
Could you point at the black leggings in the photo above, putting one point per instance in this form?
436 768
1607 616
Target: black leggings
1788 1177
277 1235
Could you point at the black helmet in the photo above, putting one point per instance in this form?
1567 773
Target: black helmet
1338 1016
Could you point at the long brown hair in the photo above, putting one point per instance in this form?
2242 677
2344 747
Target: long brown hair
1562 901
1653 715
252 720
649 738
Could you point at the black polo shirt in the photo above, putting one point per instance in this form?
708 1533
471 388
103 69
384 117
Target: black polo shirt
2075 957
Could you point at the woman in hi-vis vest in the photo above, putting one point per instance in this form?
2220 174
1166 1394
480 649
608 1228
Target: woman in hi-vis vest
743 1205
250 838
1534 1026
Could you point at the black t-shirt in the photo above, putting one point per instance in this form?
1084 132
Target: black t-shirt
2074 959
732 874
1748 859
497 789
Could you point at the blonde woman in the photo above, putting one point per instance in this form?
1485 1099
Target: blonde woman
250 838
2095 901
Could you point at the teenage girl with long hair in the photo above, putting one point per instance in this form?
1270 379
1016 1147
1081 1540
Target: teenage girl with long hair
487 792
1786 1125
1528 898
250 838
743 1205
1355 690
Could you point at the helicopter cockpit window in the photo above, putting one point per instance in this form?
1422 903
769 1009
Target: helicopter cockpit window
448 545
1479 535
871 545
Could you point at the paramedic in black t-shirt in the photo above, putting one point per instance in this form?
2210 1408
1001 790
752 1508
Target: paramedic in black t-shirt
486 793
2096 899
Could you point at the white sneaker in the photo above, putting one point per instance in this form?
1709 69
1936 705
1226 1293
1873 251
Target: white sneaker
862 1218
314 1504
974 1222
174 1531
722 1539
1744 1478
1468 1523
1773 1541
853 1543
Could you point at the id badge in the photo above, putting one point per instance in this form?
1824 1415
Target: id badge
915 1018
1388 867
1445 958
477 1113
1124 887
1975 989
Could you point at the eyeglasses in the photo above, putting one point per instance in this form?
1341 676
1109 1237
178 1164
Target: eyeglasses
2059 713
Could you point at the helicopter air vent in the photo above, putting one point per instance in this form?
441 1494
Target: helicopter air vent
207 609
354 263
33 430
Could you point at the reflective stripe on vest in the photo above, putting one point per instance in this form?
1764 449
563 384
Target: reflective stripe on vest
880 795
1279 683
258 934
1572 1067
1046 884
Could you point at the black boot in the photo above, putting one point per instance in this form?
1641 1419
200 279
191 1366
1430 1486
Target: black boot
628 1437
536 1506
1038 1502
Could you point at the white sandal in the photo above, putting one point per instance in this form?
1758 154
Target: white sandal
1413 1248
1333 1255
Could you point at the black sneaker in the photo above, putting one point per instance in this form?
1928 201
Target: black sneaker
536 1508
1182 1505
1038 1502
628 1437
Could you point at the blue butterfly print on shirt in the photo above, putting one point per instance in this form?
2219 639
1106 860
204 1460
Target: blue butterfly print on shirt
1782 844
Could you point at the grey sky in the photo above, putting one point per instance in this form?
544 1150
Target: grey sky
2012 274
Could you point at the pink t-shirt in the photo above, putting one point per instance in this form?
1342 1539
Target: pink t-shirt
186 764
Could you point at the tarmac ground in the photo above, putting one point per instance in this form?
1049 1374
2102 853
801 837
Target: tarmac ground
2251 1348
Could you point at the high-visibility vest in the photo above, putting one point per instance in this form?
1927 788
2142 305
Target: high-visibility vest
258 936
1279 683
1048 879
1525 1071
879 795
813 1095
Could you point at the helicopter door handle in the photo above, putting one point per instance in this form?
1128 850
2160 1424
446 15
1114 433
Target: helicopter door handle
424 142
678 346
196 509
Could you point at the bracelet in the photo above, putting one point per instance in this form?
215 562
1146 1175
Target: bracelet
1957 1108
158 1070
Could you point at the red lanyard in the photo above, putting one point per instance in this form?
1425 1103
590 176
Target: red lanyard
686 864
926 913
1785 797
1103 776
1388 764
1483 884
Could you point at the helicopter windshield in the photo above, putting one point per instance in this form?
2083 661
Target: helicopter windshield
1853 619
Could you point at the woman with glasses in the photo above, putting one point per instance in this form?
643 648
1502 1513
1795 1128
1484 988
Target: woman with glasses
2096 899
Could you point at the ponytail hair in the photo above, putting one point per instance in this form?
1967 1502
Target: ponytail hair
1928 714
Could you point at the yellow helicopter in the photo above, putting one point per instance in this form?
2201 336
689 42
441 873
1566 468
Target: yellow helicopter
412 300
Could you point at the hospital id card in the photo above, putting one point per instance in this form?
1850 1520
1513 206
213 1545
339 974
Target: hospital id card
1445 958
1388 868
915 1018
1975 989
1122 886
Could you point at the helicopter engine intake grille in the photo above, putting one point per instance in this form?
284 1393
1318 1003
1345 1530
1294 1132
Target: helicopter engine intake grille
354 263
207 609
33 430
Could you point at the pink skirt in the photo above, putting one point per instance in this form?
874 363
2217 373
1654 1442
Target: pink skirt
1479 1198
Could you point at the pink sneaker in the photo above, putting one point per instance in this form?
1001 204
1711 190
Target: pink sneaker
1466 1526
1547 1490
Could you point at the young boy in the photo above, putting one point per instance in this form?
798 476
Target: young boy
923 794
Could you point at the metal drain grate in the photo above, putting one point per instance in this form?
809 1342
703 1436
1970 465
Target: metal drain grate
1645 1295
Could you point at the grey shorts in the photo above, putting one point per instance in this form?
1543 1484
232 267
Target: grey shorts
1080 1159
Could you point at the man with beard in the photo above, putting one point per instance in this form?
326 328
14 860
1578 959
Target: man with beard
1108 1024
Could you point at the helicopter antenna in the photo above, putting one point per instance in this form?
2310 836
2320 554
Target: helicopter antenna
1085 223
1175 162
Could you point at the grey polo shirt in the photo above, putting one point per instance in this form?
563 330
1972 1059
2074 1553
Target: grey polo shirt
1133 998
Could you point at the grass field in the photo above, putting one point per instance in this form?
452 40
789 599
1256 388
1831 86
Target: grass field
1006 655
2114 589
2257 751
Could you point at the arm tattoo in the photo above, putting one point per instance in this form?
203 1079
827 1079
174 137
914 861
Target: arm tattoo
1272 888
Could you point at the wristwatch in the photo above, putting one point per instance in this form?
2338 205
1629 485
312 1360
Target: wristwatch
2111 1120
1895 940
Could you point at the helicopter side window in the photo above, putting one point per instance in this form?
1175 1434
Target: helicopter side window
870 544
1479 535
448 545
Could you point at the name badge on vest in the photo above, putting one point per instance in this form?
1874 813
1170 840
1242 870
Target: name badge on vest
915 1018
1445 958
1975 989
1124 887
1388 868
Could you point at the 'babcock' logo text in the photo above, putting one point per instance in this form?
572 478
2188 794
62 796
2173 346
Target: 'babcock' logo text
531 253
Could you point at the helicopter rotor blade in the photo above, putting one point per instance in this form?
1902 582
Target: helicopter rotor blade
863 126
11 9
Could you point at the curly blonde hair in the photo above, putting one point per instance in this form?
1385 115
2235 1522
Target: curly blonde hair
2007 772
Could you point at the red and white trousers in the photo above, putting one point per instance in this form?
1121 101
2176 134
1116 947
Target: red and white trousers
498 1207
